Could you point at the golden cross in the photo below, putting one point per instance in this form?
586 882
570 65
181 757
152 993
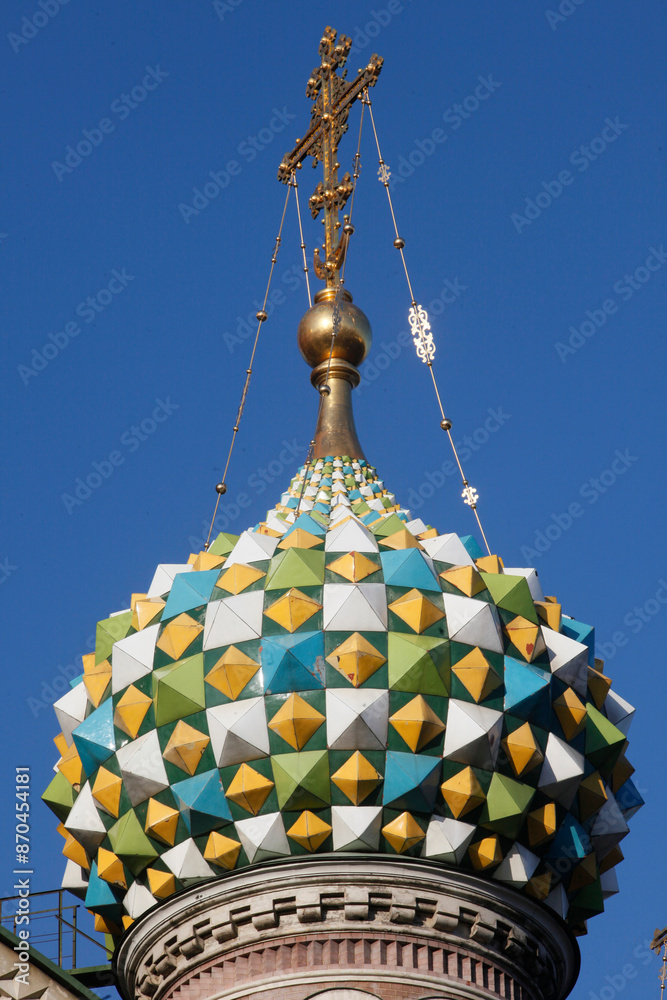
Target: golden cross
333 97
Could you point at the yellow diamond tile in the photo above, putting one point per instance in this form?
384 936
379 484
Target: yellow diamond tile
476 674
161 822
416 610
583 874
486 852
110 868
402 539
417 723
70 766
524 635
185 747
107 789
131 711
429 533
300 539
571 713
249 789
96 677
239 576
178 635
145 611
462 792
357 778
464 578
309 831
292 609
296 721
523 750
104 926
592 795
539 886
598 686
232 672
541 824
489 564
61 742
550 613
222 851
208 560
73 851
353 566
161 884
356 659
403 832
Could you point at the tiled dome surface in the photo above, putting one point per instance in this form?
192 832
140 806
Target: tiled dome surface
341 678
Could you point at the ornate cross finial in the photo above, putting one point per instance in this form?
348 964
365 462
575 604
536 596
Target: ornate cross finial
333 97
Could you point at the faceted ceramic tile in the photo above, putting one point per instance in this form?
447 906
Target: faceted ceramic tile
164 577
356 659
591 795
409 568
417 723
360 607
300 538
177 636
411 781
473 734
351 536
295 568
186 862
568 660
252 547
296 721
447 839
309 831
142 767
221 850
416 610
507 803
74 881
178 689
202 802
302 779
234 619
106 791
562 771
238 577
189 591
517 867
185 747
84 821
232 672
263 837
71 710
94 738
571 713
531 578
464 578
96 678
130 843
598 686
476 674
541 824
356 828
249 789
357 719
403 832
207 560
449 549
238 731
549 612
131 711
354 566
161 822
604 742
619 711
527 636
138 900
293 662
418 663
489 564
511 593
293 609
527 691
462 792
485 854
473 622
523 750
357 778
401 539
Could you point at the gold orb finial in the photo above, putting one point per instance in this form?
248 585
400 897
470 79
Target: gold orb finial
353 336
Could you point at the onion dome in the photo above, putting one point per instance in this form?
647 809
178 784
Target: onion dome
341 678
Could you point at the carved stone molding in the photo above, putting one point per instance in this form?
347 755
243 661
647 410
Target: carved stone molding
394 928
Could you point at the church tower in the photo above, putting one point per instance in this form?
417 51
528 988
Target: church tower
344 755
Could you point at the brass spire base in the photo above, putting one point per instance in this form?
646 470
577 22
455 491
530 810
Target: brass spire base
335 433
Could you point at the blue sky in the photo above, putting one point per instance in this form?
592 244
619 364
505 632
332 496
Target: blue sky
526 143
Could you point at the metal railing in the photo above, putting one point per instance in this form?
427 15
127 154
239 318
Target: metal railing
54 930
